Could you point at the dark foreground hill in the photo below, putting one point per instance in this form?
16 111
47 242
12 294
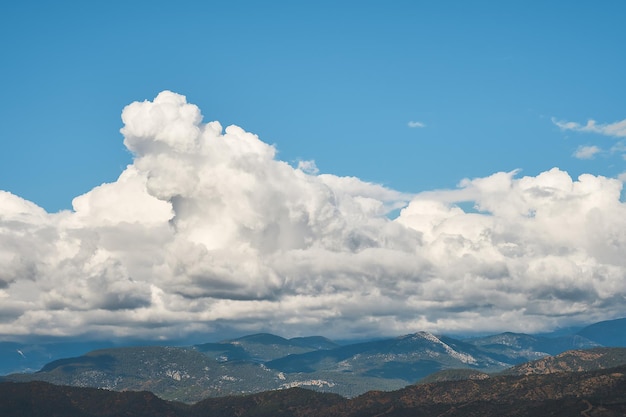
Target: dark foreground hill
572 361
587 394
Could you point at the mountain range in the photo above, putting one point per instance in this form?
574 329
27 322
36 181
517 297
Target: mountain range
264 362
598 393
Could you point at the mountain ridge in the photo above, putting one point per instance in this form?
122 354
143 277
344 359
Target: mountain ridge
263 361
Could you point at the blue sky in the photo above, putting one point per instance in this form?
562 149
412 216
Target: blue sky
446 166
336 82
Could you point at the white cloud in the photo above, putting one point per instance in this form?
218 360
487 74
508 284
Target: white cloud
206 229
308 167
413 124
586 152
616 129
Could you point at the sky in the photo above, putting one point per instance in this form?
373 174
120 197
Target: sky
349 169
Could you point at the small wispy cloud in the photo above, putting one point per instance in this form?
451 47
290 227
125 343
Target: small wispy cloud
586 152
413 124
616 129
619 147
308 167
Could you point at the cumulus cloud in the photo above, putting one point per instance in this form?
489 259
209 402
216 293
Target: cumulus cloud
616 129
207 230
586 152
413 124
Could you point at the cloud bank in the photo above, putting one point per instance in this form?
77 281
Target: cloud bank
206 230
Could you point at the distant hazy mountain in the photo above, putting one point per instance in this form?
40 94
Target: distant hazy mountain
409 358
262 362
263 347
314 342
30 357
518 347
606 333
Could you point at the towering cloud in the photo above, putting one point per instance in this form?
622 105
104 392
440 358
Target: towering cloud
207 229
